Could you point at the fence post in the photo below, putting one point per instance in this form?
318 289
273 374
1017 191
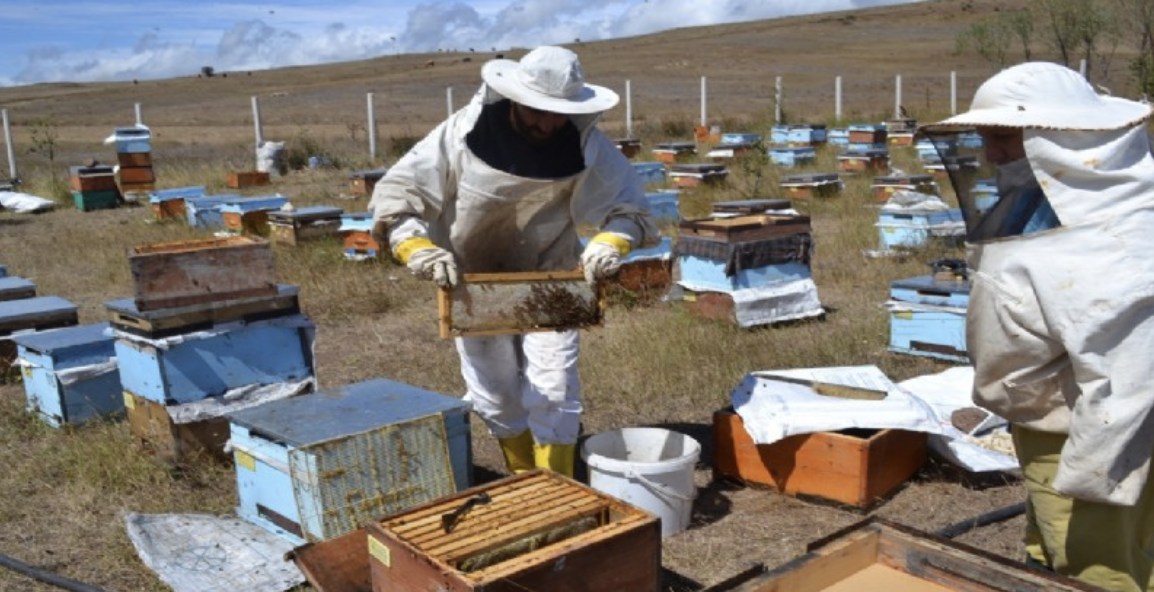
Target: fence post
8 143
777 100
256 121
837 98
628 111
953 92
703 120
139 115
898 96
371 126
449 100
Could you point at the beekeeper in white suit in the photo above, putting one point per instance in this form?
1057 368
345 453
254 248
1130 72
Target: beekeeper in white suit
1060 323
502 186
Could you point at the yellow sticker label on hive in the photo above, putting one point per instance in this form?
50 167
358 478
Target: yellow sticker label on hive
129 401
380 551
907 315
246 460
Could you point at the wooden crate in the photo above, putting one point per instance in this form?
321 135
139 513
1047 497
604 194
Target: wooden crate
339 564
134 159
745 228
154 429
184 273
91 178
876 554
164 322
854 467
538 531
240 179
133 176
522 302
303 224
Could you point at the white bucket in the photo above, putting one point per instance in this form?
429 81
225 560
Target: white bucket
650 468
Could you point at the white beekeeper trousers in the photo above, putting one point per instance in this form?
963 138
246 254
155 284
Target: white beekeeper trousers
519 382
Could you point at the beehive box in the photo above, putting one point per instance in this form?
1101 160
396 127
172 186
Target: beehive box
204 212
651 173
792 156
745 228
317 466
750 207
740 138
629 147
932 150
168 204
688 175
537 531
155 429
91 178
885 186
646 274
875 554
87 201
134 159
164 322
38 313
941 170
854 467
304 224
249 215
132 139
183 273
190 367
16 288
928 317
363 182
911 227
809 185
664 206
798 134
357 238
861 161
707 266
136 176
867 134
728 151
521 302
70 374
671 152
838 136
900 139
242 179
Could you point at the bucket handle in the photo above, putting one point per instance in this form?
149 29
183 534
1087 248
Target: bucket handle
659 488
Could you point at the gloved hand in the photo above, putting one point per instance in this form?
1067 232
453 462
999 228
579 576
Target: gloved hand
428 261
602 256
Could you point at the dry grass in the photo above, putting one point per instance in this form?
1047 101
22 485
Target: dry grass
63 491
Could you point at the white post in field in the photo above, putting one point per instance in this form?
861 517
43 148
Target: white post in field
703 120
898 97
628 111
139 115
837 98
371 126
449 99
1082 67
8 144
777 100
256 121
953 92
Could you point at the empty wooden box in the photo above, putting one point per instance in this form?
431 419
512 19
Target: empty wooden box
241 179
163 322
534 531
183 273
855 467
745 228
522 302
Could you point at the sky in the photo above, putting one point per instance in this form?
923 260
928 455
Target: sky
85 41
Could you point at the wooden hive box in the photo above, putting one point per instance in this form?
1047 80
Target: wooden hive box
854 467
537 531
134 159
249 215
651 173
241 179
356 232
16 288
316 466
135 139
941 170
164 322
646 274
805 186
876 554
728 151
204 211
909 227
168 204
70 374
867 134
136 176
522 302
704 266
861 161
183 273
687 175
157 431
87 201
91 178
928 317
630 147
38 313
745 228
303 224
791 156
671 152
884 187
363 182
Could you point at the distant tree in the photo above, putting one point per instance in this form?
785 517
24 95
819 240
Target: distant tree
207 71
1136 17
989 38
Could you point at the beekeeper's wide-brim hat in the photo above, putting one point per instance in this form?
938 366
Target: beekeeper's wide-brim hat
550 79
1044 95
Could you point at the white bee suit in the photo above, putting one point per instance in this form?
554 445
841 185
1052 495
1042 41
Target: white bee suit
1060 323
492 221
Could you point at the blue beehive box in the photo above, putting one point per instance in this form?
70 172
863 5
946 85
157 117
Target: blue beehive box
249 215
970 140
709 265
316 466
132 139
357 238
791 156
838 136
874 133
26 315
664 205
985 194
798 134
3 271
740 138
70 374
650 172
194 366
932 151
301 224
16 288
928 317
911 227
169 203
204 212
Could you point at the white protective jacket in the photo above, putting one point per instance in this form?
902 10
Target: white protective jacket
1060 324
493 221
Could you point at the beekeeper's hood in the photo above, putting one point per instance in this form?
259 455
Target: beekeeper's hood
548 78
1089 153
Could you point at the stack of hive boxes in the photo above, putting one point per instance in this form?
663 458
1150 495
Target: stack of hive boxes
134 155
208 331
317 466
93 187
866 149
749 263
928 313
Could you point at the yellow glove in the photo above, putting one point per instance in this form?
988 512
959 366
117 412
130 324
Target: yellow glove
427 260
602 256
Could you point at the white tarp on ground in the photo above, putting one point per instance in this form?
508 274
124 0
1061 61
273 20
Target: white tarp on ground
773 409
24 203
203 553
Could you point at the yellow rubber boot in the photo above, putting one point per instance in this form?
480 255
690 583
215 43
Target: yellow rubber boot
555 457
518 451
